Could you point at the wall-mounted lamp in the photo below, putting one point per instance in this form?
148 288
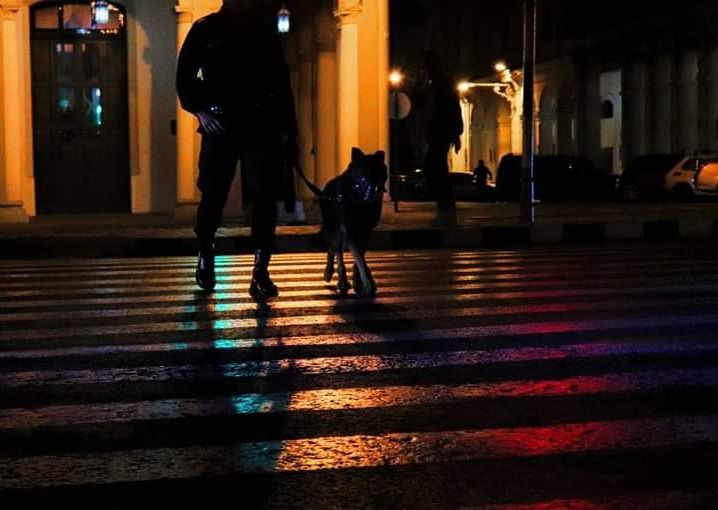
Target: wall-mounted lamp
283 20
101 13
464 86
507 76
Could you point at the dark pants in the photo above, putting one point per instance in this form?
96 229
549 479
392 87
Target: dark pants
437 172
260 163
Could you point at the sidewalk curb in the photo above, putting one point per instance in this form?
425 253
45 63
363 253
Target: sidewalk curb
486 236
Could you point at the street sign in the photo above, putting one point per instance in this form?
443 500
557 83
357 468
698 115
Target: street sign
399 106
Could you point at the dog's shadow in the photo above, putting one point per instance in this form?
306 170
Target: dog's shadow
385 322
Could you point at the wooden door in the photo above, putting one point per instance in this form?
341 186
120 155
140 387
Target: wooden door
81 142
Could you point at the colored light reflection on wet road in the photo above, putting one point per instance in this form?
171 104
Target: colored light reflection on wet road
359 398
226 344
349 364
360 451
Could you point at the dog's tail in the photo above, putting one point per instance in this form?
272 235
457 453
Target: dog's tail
312 187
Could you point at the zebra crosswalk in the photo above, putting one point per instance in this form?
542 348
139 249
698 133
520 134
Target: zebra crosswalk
571 378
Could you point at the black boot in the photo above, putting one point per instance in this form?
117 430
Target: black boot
205 269
261 288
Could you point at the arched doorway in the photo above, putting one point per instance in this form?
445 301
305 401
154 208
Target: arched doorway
80 117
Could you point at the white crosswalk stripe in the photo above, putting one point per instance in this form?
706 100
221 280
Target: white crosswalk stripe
118 376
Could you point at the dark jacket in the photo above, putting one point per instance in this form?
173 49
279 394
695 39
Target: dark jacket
442 111
236 63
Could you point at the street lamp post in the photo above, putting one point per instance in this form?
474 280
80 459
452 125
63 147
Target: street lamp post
528 213
395 81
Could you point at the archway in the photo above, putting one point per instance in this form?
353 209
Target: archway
547 118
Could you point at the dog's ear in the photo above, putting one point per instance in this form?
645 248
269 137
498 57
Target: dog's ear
357 154
379 156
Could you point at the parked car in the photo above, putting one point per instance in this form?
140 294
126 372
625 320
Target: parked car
556 178
681 179
645 176
414 187
466 189
706 181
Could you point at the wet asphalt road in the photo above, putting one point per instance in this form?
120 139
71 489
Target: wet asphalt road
563 378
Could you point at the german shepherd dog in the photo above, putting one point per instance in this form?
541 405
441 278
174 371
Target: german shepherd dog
351 208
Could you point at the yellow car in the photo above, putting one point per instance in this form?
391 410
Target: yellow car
706 181
681 179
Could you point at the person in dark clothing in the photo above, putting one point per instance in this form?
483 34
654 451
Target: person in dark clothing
231 74
481 175
443 127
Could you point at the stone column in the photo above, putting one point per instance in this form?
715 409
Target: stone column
187 194
3 117
705 70
580 107
12 115
382 80
517 142
628 98
363 91
650 101
326 90
675 95
348 81
304 98
503 129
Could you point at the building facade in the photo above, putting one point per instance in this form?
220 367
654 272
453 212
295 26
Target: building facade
614 79
89 121
647 83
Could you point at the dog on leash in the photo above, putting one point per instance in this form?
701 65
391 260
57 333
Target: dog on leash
351 208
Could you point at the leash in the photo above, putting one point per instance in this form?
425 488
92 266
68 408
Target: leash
312 187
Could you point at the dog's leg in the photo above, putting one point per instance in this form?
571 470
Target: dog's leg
367 282
356 281
343 285
329 269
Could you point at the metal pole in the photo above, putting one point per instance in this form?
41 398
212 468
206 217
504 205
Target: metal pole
395 145
528 214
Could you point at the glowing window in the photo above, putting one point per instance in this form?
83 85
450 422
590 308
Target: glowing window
80 17
47 18
93 106
77 17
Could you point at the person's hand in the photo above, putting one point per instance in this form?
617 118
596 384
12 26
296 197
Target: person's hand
211 123
457 144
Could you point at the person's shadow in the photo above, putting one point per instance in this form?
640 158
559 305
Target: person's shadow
249 382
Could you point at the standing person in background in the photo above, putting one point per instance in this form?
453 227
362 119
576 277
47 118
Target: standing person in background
482 175
231 74
443 127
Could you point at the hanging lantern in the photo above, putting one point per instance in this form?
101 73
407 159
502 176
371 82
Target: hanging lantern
101 13
283 22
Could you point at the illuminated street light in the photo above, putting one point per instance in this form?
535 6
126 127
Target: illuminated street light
396 78
500 66
464 86
283 20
